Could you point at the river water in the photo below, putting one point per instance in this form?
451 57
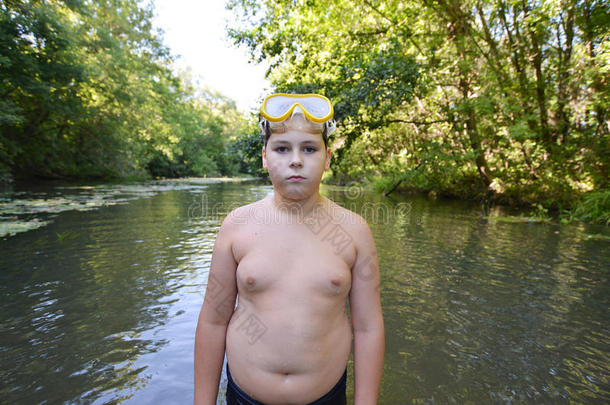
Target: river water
100 304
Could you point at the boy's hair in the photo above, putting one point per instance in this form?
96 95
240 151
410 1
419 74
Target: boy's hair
266 133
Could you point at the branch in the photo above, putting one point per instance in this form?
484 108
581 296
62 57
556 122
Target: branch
368 3
385 194
417 122
370 33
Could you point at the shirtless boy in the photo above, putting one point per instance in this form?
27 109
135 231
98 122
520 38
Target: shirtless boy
292 259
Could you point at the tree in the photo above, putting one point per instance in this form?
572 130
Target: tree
465 97
88 90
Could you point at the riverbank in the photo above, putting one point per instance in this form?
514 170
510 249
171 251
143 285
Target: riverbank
31 204
591 208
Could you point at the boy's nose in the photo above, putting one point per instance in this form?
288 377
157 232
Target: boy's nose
296 160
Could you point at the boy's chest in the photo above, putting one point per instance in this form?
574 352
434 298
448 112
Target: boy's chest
296 257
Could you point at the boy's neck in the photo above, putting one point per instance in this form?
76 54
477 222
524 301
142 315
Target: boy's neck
297 207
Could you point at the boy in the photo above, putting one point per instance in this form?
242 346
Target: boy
293 258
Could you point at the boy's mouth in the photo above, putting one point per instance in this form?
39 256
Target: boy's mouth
296 178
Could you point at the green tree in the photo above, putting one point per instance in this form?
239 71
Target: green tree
492 98
40 73
88 90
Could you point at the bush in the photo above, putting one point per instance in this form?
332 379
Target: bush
593 207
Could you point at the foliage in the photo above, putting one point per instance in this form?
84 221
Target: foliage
484 99
246 149
592 207
88 91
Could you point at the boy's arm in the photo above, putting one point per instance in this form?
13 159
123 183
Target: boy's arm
367 320
214 317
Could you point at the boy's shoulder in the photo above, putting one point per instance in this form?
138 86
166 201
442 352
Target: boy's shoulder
345 217
242 215
350 226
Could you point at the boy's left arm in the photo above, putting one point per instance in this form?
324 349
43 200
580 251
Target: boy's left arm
367 320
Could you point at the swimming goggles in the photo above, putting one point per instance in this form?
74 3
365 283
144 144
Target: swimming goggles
278 107
316 108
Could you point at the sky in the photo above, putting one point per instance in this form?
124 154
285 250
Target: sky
195 31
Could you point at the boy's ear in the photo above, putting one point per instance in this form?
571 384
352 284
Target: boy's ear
264 156
328 155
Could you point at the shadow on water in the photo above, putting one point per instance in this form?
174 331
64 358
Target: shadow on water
101 306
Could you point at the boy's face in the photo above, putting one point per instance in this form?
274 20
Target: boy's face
296 160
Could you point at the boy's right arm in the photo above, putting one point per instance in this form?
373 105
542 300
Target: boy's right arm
214 317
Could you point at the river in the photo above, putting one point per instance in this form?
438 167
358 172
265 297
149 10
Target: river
99 303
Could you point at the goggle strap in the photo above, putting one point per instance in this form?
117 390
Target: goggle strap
263 124
330 126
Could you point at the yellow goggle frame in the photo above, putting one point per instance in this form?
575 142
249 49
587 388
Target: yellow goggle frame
280 106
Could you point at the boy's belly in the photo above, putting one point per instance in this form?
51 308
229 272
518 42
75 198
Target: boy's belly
288 358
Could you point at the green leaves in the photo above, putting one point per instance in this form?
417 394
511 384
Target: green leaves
88 91
496 98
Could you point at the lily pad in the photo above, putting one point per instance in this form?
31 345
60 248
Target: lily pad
14 227
17 205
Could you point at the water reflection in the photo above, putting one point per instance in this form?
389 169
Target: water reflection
101 306
489 312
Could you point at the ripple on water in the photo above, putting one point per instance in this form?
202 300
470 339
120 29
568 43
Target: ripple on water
101 306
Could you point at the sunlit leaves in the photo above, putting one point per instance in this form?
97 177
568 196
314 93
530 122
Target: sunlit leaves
88 90
487 96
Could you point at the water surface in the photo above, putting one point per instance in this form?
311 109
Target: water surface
100 306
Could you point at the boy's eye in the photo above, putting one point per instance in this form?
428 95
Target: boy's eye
306 149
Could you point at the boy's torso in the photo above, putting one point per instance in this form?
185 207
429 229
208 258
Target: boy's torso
290 338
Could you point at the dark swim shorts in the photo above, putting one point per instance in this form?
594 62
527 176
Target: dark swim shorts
236 396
